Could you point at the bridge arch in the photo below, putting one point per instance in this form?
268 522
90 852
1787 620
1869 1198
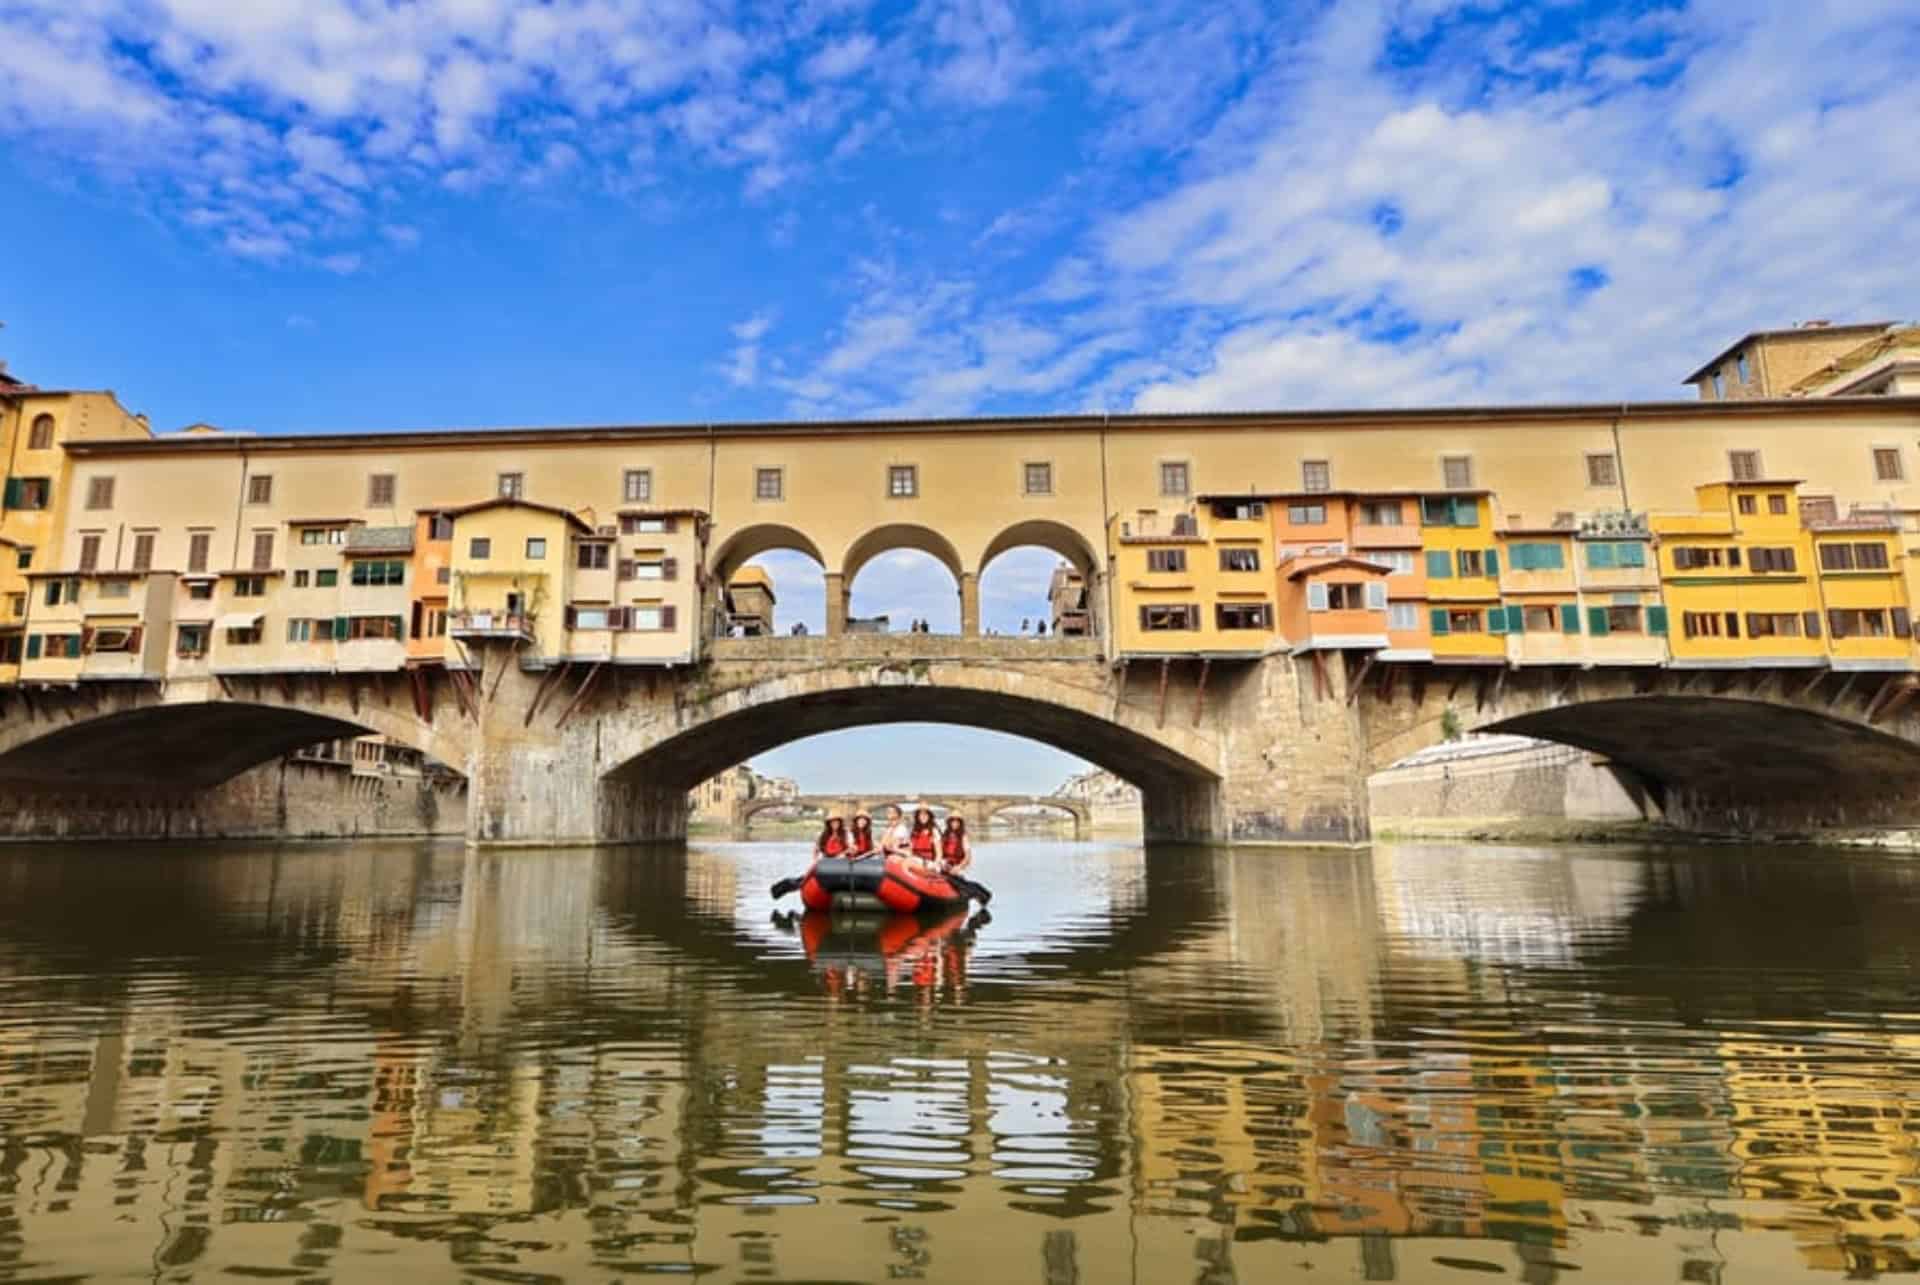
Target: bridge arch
900 535
764 537
1077 813
1043 533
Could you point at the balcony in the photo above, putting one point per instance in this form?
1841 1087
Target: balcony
1161 528
506 626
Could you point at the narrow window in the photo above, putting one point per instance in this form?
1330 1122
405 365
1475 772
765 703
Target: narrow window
380 490
1239 559
536 549
903 481
441 529
262 550
512 486
593 557
260 489
24 559
1744 465
480 548
1836 557
1315 475
41 437
1456 472
1887 466
1038 478
1870 557
1306 515
1166 559
768 484
89 552
1777 504
1173 477
143 551
636 486
1746 504
301 579
327 579
1741 368
1603 469
100 493
1719 386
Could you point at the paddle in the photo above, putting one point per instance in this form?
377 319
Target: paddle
789 884
978 891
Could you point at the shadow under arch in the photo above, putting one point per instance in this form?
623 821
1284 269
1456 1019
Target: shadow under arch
750 542
187 746
1043 533
900 535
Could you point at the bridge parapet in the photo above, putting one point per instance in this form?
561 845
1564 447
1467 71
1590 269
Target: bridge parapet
839 648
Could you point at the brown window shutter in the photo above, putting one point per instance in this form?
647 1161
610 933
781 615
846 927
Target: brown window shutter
1810 620
669 568
1902 623
570 617
1143 617
143 552
1733 624
620 618
669 524
89 552
197 551
626 568
380 490
263 551
667 614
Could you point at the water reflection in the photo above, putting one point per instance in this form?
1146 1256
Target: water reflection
1400 1065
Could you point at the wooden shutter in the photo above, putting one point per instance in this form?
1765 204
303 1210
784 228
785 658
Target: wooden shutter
1902 623
1377 595
263 550
1733 556
669 524
89 552
1316 597
1569 618
1516 619
1439 618
1656 620
568 617
143 551
669 568
197 550
1492 564
1597 621
620 618
1439 565
1600 556
379 490
667 615
1811 621
1496 619
626 569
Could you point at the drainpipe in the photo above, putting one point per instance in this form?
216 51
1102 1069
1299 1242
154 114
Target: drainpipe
1620 459
1106 549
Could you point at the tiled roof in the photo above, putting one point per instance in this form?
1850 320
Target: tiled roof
380 539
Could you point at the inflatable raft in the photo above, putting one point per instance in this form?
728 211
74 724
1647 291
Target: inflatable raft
878 884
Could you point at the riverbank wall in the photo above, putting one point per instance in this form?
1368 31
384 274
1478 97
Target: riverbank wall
1509 787
288 799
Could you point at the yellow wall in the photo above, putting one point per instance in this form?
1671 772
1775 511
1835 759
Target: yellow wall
1203 584
542 583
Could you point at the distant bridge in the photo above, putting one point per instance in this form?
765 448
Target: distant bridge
978 809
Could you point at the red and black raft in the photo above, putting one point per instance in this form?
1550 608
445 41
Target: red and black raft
876 883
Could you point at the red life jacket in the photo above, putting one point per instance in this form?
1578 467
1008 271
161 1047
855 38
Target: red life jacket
862 843
921 841
833 845
952 848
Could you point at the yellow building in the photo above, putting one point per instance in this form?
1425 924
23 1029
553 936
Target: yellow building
1737 578
1862 587
1194 584
1582 590
1466 617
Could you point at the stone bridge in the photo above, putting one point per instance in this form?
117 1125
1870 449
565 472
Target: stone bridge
1275 749
979 810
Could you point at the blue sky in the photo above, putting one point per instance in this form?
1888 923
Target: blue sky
325 214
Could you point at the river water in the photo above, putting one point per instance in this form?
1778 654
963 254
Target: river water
400 1062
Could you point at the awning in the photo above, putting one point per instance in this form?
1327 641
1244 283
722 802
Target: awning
238 620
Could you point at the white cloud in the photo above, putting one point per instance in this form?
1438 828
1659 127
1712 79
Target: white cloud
842 58
742 368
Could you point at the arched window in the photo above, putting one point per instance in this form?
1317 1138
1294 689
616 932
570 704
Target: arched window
41 437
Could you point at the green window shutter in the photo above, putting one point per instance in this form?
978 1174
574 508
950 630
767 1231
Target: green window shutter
1520 557
1466 511
1633 554
13 492
1439 620
1656 620
399 627
1569 618
1550 559
1516 619
339 628
1597 621
1600 556
1439 564
1493 562
1497 620
33 642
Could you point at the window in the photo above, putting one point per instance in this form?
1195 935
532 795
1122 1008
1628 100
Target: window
250 587
1402 616
1316 475
1850 557
200 590
536 549
651 619
16 606
361 628
1399 562
376 572
1768 560
56 646
1036 478
1747 504
1242 615
1165 618
1238 510
1540 620
248 637
299 631
479 549
379 490
441 527
1173 477
1870 557
1741 369
1607 556
1777 504
1887 465
1346 597
650 569
443 575
143 550
1773 624
99 493
1470 562
1306 515
301 579
262 550
260 489
903 481
1603 469
1456 472
10 650
198 543
28 492
41 436
111 640
323 535
24 558
768 484
435 625
1240 559
1705 624
592 556
1694 557
89 552
1719 386
116 588
1380 513
1622 620
1744 465
634 524
1535 556
1166 559
588 617
1857 623
1450 510
326 579
511 486
1462 622
59 591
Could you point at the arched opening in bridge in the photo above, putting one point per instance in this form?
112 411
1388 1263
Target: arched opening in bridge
894 587
1039 578
1036 818
766 580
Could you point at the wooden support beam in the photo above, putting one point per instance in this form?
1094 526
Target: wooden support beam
1902 697
1160 720
1419 685
1479 691
1819 676
1723 681
1388 673
1880 693
422 693
547 683
1453 685
586 685
1846 690
226 688
1354 687
1500 684
1200 691
506 663
1321 688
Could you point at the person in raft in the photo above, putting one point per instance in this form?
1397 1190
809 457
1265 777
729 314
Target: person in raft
833 839
956 849
893 839
923 840
862 843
